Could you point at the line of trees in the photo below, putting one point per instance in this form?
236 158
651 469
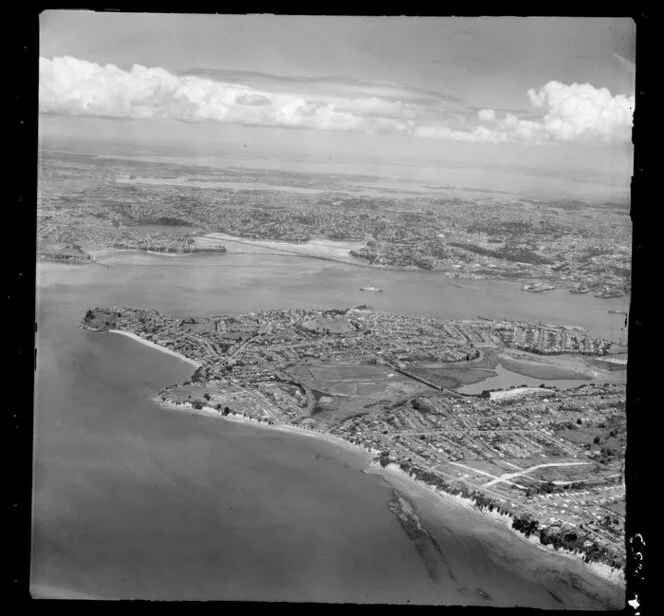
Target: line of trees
556 537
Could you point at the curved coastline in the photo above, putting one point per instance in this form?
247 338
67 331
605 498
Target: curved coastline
158 347
290 249
395 476
320 252
393 472
604 572
208 411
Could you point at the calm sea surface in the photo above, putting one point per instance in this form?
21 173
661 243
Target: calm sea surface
131 500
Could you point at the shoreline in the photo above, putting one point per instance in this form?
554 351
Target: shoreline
291 251
331 439
601 570
325 253
392 471
157 347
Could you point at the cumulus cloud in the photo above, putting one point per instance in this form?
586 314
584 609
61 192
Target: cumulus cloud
253 99
574 113
580 110
71 86
577 112
486 114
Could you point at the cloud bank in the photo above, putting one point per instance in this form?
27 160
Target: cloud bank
570 113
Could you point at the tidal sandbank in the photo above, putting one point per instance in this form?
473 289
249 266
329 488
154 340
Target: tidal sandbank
605 581
420 492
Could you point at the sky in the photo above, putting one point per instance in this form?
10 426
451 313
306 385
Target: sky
555 95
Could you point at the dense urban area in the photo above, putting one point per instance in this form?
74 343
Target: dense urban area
90 204
550 458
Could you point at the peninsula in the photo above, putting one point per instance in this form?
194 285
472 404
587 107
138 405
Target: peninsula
550 459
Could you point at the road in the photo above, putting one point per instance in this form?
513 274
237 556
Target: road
509 476
405 373
225 360
470 432
477 470
110 251
253 396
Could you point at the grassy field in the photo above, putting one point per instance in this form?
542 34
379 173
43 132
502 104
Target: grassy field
451 375
538 368
328 325
347 387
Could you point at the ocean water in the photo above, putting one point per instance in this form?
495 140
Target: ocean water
236 283
506 378
133 501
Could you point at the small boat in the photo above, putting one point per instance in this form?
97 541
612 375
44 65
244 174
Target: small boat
373 289
538 287
609 294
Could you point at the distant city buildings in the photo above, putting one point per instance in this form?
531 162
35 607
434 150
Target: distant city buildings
585 249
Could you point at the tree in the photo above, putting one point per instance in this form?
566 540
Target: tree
578 421
596 440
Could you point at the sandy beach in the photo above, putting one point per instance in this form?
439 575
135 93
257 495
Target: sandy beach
421 493
418 490
392 474
366 455
156 346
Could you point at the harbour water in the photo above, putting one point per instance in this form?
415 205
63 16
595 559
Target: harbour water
134 501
